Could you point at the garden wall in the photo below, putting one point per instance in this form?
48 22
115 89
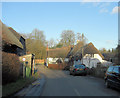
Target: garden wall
56 66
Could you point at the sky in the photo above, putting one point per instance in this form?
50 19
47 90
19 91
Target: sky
97 20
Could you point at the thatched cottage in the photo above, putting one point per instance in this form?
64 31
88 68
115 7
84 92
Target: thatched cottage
88 55
12 42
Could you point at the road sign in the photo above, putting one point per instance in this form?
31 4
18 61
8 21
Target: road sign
23 59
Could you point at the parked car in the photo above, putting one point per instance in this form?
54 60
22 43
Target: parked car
112 77
78 70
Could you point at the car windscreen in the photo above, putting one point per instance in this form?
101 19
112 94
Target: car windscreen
79 66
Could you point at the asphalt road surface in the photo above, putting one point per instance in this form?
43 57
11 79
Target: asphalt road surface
60 83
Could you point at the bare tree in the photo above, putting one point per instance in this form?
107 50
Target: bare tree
51 43
37 35
67 37
36 43
82 38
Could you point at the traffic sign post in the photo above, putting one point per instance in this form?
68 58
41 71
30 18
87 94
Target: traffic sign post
24 68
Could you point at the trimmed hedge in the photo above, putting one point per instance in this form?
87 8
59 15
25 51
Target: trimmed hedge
10 67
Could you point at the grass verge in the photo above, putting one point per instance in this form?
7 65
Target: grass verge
12 88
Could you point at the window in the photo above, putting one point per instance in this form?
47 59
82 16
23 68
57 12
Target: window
77 62
116 70
79 66
110 69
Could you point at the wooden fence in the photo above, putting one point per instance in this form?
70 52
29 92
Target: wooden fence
39 61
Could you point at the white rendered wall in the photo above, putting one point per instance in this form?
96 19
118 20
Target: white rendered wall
91 61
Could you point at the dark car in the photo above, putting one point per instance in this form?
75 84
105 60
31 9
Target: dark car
78 70
112 77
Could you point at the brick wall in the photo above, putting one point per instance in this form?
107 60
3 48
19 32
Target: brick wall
56 66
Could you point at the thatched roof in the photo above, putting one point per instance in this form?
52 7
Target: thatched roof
76 48
15 33
8 37
88 49
58 52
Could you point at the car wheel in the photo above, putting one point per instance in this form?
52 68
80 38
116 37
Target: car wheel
107 84
85 74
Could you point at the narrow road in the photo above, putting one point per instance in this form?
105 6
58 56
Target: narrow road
60 83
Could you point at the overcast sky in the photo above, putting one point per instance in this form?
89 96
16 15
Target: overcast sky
98 21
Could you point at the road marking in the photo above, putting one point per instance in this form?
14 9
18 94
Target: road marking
76 91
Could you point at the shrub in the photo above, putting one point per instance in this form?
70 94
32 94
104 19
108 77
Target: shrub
98 71
10 67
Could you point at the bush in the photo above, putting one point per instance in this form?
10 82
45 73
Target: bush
98 72
10 67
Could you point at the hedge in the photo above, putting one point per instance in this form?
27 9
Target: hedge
10 67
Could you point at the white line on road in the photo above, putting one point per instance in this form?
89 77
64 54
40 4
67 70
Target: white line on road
76 91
